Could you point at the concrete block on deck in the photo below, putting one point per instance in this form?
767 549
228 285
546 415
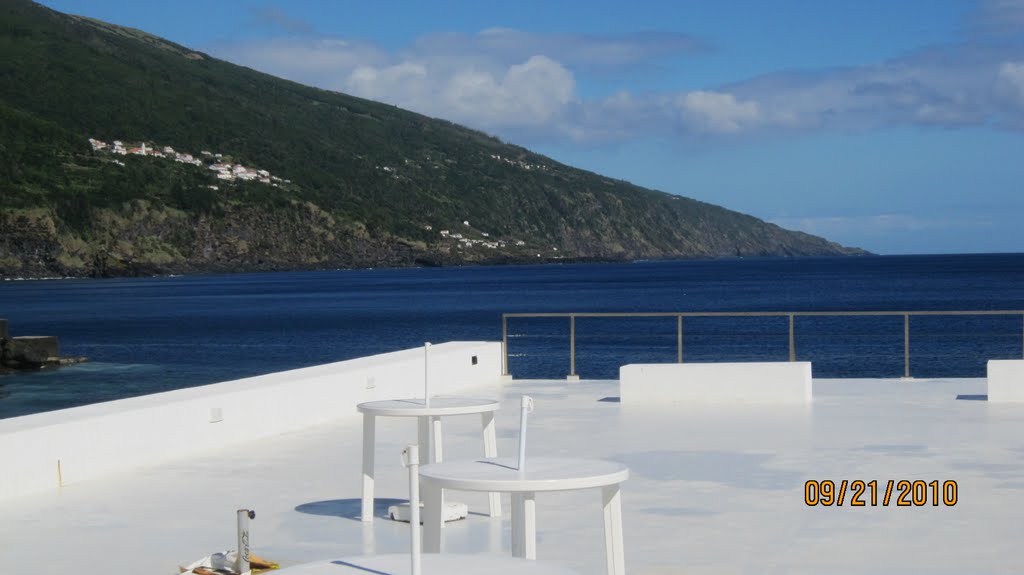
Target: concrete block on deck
1006 380
696 383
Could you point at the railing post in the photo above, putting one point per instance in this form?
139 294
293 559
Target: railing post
573 376
792 341
679 336
504 345
906 346
572 350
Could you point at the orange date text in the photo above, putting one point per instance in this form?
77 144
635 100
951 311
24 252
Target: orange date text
891 492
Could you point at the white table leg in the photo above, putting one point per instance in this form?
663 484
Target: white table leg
369 539
423 435
426 439
435 439
430 443
517 527
613 545
491 450
524 525
529 525
369 444
433 517
495 537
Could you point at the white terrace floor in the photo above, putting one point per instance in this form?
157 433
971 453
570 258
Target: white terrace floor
713 490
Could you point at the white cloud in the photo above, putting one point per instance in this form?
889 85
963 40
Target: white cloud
718 112
905 233
406 80
532 93
524 85
1011 74
274 16
507 46
618 117
494 80
880 224
322 62
999 17
539 88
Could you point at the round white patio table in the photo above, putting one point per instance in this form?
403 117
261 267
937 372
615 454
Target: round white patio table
540 474
429 420
432 564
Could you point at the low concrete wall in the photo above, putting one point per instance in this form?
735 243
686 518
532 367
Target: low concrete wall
35 348
1006 380
94 440
693 383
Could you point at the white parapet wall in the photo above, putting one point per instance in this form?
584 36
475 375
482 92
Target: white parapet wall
661 384
1006 380
46 450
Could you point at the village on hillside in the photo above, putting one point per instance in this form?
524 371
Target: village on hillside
223 170
229 172
470 242
519 163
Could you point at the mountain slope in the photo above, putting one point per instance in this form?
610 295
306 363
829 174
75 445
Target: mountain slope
368 184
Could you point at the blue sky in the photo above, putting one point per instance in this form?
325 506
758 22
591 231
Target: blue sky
892 126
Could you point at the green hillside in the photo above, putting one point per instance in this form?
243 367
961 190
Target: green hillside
361 183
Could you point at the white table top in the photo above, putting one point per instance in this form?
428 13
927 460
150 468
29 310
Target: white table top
542 474
432 564
438 406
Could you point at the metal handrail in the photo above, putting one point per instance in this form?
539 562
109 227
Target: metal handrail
790 314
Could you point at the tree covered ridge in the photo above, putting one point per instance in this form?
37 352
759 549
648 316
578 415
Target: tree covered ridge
386 180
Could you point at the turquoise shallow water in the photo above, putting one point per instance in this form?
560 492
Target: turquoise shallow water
146 335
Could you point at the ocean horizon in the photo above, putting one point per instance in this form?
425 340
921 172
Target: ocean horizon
147 335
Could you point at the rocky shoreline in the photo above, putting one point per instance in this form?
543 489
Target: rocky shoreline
30 353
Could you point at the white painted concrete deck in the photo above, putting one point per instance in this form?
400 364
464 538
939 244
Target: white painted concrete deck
713 490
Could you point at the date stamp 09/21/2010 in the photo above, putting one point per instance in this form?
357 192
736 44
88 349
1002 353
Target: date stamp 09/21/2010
898 493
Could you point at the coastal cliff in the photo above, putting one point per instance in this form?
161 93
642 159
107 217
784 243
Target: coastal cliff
333 180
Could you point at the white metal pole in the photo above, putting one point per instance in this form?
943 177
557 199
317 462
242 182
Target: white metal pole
244 515
412 461
526 406
426 374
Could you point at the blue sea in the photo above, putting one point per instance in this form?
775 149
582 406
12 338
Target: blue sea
146 335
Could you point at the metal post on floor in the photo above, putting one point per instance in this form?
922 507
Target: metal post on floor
792 340
242 562
572 350
906 346
679 337
504 345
